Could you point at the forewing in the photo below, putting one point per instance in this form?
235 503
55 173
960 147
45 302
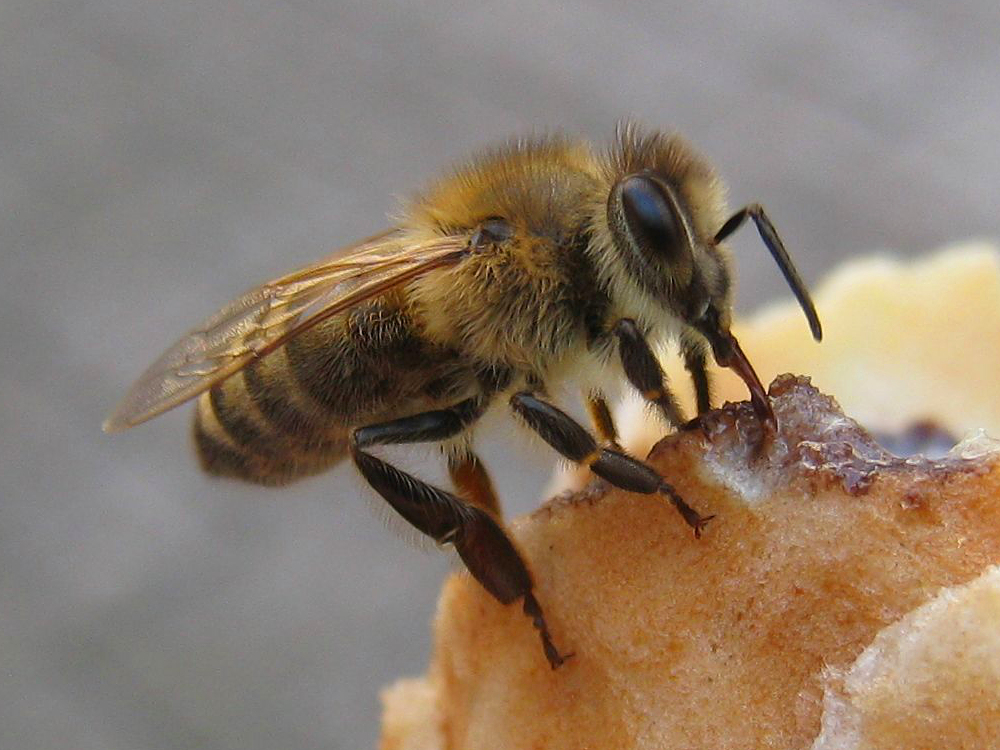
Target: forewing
264 318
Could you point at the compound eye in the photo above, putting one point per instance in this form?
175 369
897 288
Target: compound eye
492 231
650 215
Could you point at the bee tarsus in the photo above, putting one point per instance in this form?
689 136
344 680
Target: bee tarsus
693 519
534 611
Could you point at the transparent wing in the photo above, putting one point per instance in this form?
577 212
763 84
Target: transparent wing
264 318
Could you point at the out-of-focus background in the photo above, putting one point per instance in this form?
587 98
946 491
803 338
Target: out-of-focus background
156 159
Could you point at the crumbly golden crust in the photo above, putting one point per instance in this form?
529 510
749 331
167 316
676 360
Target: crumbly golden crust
842 598
817 546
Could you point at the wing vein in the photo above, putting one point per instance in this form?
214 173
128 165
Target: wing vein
266 317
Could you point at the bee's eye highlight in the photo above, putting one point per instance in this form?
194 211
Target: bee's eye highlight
492 231
649 214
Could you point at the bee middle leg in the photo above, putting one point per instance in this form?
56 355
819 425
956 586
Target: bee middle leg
644 372
476 533
572 441
604 422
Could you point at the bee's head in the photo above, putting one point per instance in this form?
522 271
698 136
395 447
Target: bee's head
662 228
664 216
689 275
656 238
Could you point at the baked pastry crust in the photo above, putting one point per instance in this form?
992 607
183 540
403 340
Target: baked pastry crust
843 597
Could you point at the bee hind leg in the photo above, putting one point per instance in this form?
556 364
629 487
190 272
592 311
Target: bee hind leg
572 441
473 482
477 535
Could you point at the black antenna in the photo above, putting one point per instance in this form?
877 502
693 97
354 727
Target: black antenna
770 236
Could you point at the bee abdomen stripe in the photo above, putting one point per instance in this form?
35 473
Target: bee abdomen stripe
276 404
353 365
216 450
238 425
221 454
322 380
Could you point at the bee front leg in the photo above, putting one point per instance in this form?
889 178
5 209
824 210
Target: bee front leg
572 441
477 534
695 361
644 372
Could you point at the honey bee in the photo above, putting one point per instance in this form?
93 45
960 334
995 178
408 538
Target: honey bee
533 263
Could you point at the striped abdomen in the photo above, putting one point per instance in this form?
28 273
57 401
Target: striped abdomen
289 414
260 425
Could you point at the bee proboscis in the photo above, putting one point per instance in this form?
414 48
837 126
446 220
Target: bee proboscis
534 263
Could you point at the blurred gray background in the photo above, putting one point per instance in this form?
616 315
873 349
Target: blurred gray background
157 158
